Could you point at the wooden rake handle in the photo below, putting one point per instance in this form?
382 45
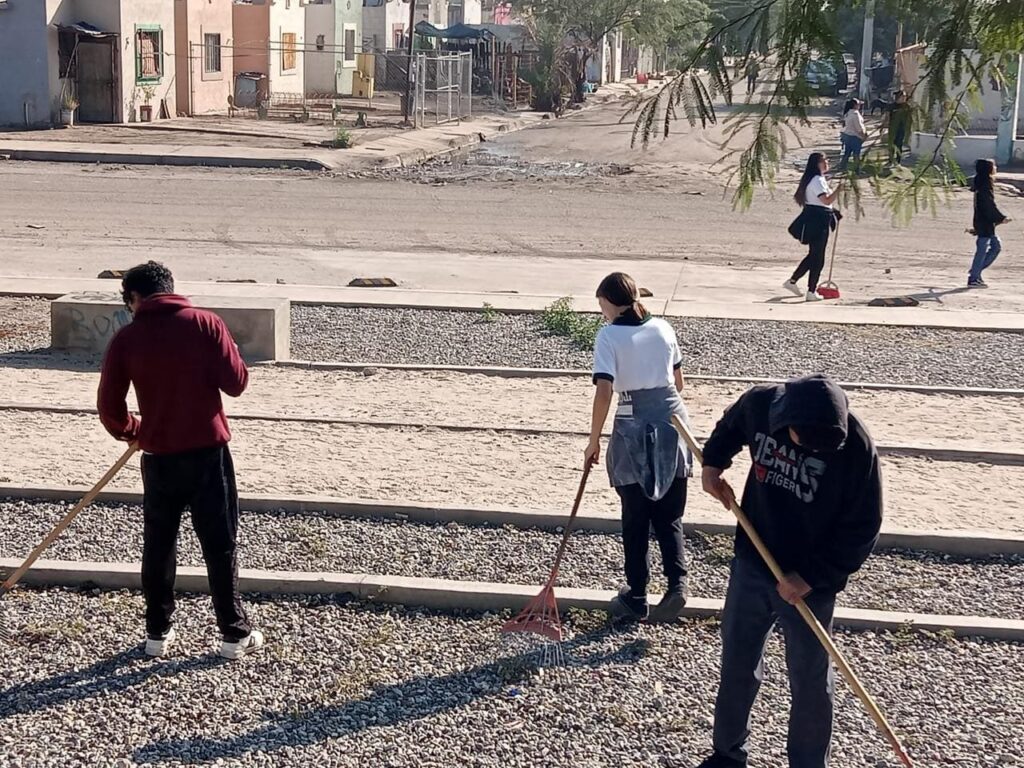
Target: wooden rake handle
58 529
812 621
568 525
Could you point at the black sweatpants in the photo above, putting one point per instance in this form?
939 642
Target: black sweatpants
203 481
813 262
639 516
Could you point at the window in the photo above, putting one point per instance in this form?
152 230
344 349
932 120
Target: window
350 45
149 53
211 53
289 52
320 42
398 33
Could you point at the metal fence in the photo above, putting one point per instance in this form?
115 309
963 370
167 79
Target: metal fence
444 87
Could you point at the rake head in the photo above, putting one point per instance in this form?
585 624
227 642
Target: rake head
539 617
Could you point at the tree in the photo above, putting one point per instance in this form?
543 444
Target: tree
787 35
672 28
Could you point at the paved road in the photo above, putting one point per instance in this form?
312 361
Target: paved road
668 218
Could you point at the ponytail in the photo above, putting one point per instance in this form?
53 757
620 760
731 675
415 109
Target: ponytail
620 289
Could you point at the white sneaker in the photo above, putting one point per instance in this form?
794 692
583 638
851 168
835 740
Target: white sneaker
792 287
160 646
811 296
251 642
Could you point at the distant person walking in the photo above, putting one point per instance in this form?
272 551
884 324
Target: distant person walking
179 360
900 124
812 227
753 71
987 217
854 133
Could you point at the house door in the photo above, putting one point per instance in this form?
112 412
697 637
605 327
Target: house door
96 82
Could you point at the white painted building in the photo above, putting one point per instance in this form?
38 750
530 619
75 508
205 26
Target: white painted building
118 59
334 37
269 39
384 24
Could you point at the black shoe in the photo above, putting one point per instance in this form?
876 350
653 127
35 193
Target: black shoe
719 761
626 606
670 608
977 284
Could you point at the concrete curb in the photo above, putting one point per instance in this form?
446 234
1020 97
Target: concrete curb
999 458
973 544
442 594
122 158
557 373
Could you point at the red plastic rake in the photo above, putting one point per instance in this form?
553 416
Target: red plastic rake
540 616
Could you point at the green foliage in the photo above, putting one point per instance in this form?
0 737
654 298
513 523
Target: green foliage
561 319
489 314
969 43
551 77
342 139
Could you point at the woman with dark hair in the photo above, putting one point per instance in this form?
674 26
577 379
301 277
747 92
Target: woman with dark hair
637 357
854 133
814 223
986 217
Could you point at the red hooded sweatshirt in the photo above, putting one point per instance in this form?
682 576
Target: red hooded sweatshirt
180 359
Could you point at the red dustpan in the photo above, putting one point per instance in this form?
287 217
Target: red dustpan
828 289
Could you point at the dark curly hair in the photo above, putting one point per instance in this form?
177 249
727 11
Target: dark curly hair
146 280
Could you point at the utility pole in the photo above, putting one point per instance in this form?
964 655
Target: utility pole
1008 115
407 102
866 48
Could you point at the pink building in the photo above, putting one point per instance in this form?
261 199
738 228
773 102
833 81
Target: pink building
203 55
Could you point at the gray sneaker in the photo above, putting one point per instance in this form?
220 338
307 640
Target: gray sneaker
669 609
627 607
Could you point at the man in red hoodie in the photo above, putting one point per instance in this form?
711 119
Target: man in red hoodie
179 359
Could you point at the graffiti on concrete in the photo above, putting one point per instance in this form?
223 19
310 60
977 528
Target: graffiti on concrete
96 331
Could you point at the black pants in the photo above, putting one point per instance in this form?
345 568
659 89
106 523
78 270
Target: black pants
752 607
813 262
203 481
639 516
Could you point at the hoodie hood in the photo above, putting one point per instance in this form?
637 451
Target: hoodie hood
161 303
814 401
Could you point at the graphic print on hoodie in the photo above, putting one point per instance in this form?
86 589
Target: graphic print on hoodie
818 511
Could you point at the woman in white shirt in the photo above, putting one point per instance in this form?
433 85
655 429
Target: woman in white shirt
814 223
854 133
637 357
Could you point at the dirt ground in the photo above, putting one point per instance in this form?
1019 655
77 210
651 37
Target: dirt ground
491 468
309 228
562 404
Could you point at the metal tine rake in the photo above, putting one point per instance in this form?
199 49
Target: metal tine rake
805 612
6 634
540 616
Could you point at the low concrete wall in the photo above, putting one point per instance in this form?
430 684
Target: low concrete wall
966 149
86 322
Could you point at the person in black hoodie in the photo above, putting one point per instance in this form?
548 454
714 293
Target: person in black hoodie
986 217
814 494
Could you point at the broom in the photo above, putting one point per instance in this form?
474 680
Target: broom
5 633
828 289
805 612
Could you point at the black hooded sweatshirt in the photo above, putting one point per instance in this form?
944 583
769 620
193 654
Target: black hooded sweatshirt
819 513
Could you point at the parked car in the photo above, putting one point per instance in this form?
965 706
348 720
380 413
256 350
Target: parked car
821 77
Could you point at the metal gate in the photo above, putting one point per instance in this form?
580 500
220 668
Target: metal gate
96 80
444 87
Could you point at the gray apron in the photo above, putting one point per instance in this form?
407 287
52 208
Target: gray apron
645 448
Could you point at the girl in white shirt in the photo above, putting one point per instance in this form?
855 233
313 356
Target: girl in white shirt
637 357
854 133
816 221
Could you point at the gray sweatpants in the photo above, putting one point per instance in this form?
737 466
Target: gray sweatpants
752 606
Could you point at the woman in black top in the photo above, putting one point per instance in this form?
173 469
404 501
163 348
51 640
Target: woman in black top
986 217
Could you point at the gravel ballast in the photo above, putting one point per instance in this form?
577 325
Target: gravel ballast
891 580
710 346
353 685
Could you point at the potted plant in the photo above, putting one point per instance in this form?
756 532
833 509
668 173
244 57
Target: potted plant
68 105
146 111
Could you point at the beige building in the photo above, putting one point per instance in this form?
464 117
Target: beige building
269 39
203 55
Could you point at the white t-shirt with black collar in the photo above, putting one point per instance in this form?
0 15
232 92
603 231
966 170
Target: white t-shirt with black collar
637 355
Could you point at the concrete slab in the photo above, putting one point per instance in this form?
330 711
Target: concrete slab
965 543
441 594
87 321
661 281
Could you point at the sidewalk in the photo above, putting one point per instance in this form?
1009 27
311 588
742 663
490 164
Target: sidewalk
667 301
396 150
